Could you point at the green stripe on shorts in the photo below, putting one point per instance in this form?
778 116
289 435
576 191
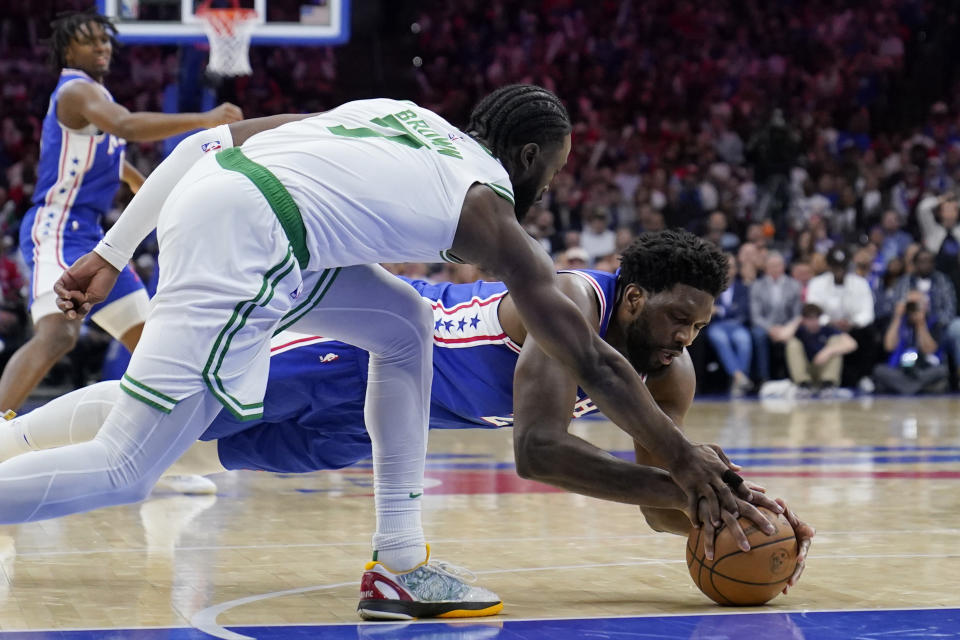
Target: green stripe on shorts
277 197
145 394
211 371
313 299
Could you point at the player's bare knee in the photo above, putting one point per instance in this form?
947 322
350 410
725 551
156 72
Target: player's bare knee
57 336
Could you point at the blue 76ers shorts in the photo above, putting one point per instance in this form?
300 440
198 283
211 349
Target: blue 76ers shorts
312 412
51 243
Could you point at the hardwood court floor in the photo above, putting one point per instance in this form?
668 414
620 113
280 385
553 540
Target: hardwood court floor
879 478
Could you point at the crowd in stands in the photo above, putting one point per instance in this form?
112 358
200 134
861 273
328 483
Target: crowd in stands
817 143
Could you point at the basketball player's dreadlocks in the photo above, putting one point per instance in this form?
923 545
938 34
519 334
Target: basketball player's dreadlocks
516 115
657 261
70 25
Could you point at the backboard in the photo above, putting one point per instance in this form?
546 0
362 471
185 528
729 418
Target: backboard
305 22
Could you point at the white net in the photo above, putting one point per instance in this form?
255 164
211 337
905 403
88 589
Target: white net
229 32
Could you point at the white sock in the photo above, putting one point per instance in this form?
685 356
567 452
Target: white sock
397 331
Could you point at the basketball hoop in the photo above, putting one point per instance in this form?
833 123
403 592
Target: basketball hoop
229 30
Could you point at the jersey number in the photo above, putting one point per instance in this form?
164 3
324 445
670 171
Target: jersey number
403 136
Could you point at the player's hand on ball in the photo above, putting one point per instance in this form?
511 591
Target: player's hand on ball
731 520
86 283
708 478
805 534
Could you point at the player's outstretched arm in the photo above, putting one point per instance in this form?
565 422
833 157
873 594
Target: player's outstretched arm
544 393
83 103
490 236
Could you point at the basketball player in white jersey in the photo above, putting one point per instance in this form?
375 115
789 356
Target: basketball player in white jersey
251 241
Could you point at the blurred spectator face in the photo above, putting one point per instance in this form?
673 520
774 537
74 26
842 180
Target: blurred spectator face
891 221
862 261
624 238
948 213
598 222
801 272
655 222
774 266
810 320
545 219
731 268
571 239
848 197
818 262
893 272
908 257
717 222
923 263
576 258
755 234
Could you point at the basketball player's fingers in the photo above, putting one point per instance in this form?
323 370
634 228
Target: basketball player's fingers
795 577
755 487
751 513
759 499
712 502
709 531
727 498
723 456
693 507
65 305
733 524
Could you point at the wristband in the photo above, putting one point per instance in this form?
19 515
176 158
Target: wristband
118 259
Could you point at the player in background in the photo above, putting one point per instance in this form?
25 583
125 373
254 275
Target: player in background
483 367
81 166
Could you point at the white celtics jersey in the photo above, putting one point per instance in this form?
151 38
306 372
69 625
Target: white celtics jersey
377 180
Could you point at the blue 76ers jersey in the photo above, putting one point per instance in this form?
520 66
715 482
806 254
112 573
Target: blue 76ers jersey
473 359
79 170
313 406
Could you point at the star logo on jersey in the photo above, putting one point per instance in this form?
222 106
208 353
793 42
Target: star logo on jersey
213 145
475 321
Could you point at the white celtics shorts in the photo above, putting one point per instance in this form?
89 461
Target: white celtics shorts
230 276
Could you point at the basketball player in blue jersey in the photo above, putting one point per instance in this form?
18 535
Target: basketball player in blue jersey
81 166
485 365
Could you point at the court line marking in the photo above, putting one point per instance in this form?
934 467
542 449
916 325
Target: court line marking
438 541
206 619
480 621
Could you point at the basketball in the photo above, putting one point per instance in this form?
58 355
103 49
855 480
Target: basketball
740 578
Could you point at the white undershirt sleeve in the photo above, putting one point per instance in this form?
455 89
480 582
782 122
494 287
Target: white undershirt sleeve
140 216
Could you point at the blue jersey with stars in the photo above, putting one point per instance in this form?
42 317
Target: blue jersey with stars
79 169
313 406
473 358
